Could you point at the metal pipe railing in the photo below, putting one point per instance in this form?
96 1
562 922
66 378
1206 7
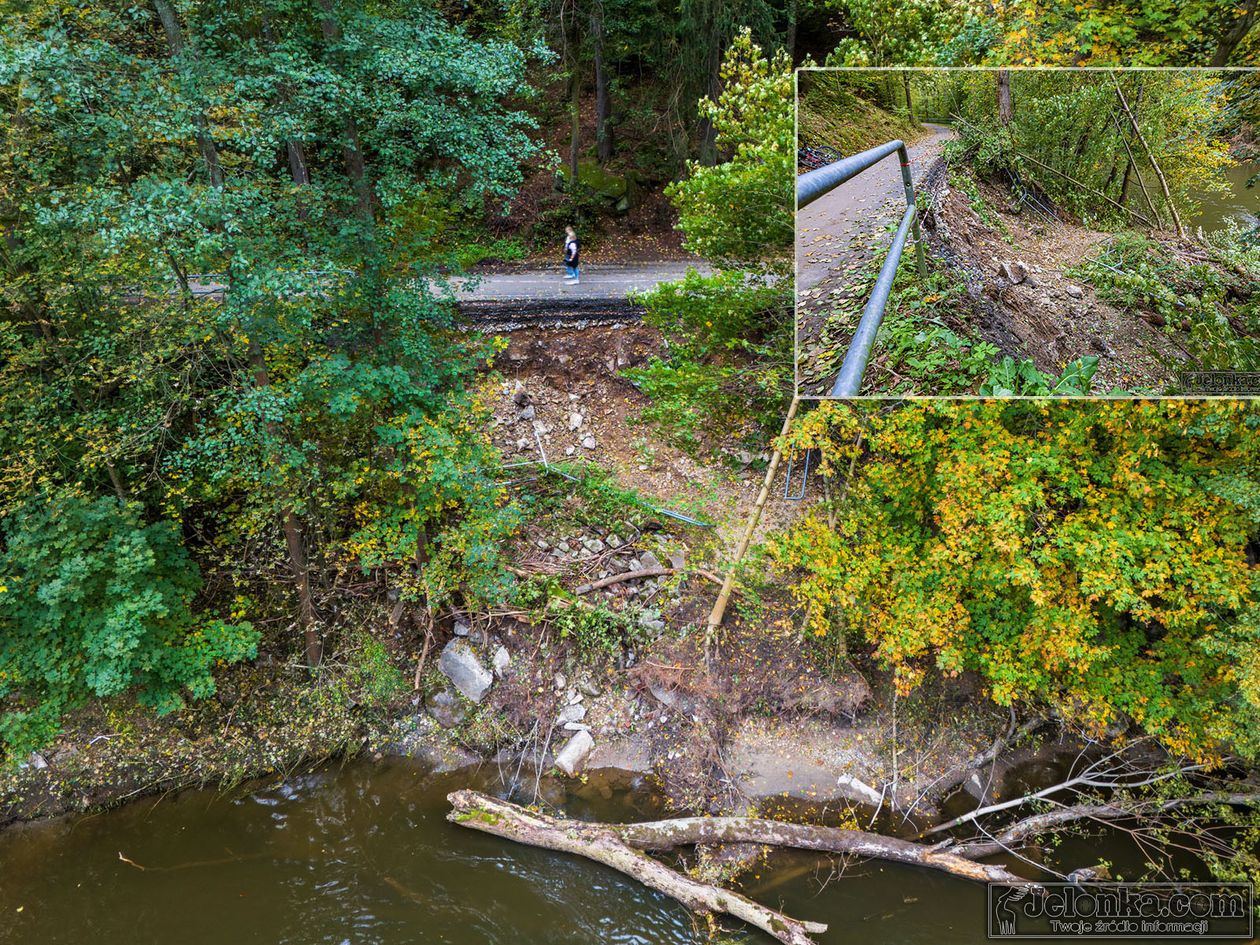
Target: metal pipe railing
849 380
814 184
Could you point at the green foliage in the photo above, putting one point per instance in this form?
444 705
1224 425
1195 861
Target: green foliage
730 333
739 211
1042 32
1095 556
1209 302
94 601
372 674
317 413
1013 378
851 110
597 631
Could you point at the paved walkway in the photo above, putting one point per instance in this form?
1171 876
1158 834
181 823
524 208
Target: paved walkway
599 283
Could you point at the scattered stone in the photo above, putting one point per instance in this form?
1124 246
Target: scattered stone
502 661
594 545
587 686
460 665
575 422
543 544
614 541
446 709
38 761
859 790
573 755
676 560
527 413
520 396
1014 272
461 628
1074 291
588 442
576 727
570 450
572 713
564 547
649 560
560 682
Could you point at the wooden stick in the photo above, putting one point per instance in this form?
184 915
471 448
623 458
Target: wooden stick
1172 208
724 596
624 576
602 844
1137 172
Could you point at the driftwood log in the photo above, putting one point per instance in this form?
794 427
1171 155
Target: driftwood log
603 845
623 846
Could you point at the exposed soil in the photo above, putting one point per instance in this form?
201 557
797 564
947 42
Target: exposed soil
1047 315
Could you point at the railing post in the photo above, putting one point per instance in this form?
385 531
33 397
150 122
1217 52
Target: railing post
908 182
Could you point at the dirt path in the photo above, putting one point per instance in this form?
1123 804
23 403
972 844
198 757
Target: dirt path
836 237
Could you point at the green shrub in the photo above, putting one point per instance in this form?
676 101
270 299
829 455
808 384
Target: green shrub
96 602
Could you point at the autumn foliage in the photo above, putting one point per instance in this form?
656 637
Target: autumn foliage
1096 557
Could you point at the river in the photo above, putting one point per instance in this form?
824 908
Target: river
1240 201
362 855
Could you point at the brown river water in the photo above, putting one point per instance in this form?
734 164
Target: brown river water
362 854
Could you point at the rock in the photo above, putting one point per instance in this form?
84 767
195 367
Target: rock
543 544
594 545
587 686
520 396
446 709
1014 272
502 661
649 560
859 790
576 727
676 560
573 755
560 682
461 628
564 547
570 450
527 413
460 665
1074 291
575 422
572 713
614 541
38 761
588 442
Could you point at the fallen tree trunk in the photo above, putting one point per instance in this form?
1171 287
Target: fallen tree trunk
622 846
603 845
685 831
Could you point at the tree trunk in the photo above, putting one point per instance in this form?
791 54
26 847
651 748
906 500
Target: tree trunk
601 844
1163 183
905 82
603 102
621 847
205 141
1235 34
351 151
1006 112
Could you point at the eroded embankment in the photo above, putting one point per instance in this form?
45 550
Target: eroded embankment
568 675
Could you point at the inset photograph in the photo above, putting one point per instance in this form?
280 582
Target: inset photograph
1027 233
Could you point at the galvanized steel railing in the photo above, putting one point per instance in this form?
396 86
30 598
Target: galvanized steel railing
814 184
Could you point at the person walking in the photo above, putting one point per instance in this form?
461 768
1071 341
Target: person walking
571 257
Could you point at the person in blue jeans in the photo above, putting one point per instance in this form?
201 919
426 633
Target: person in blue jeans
571 257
